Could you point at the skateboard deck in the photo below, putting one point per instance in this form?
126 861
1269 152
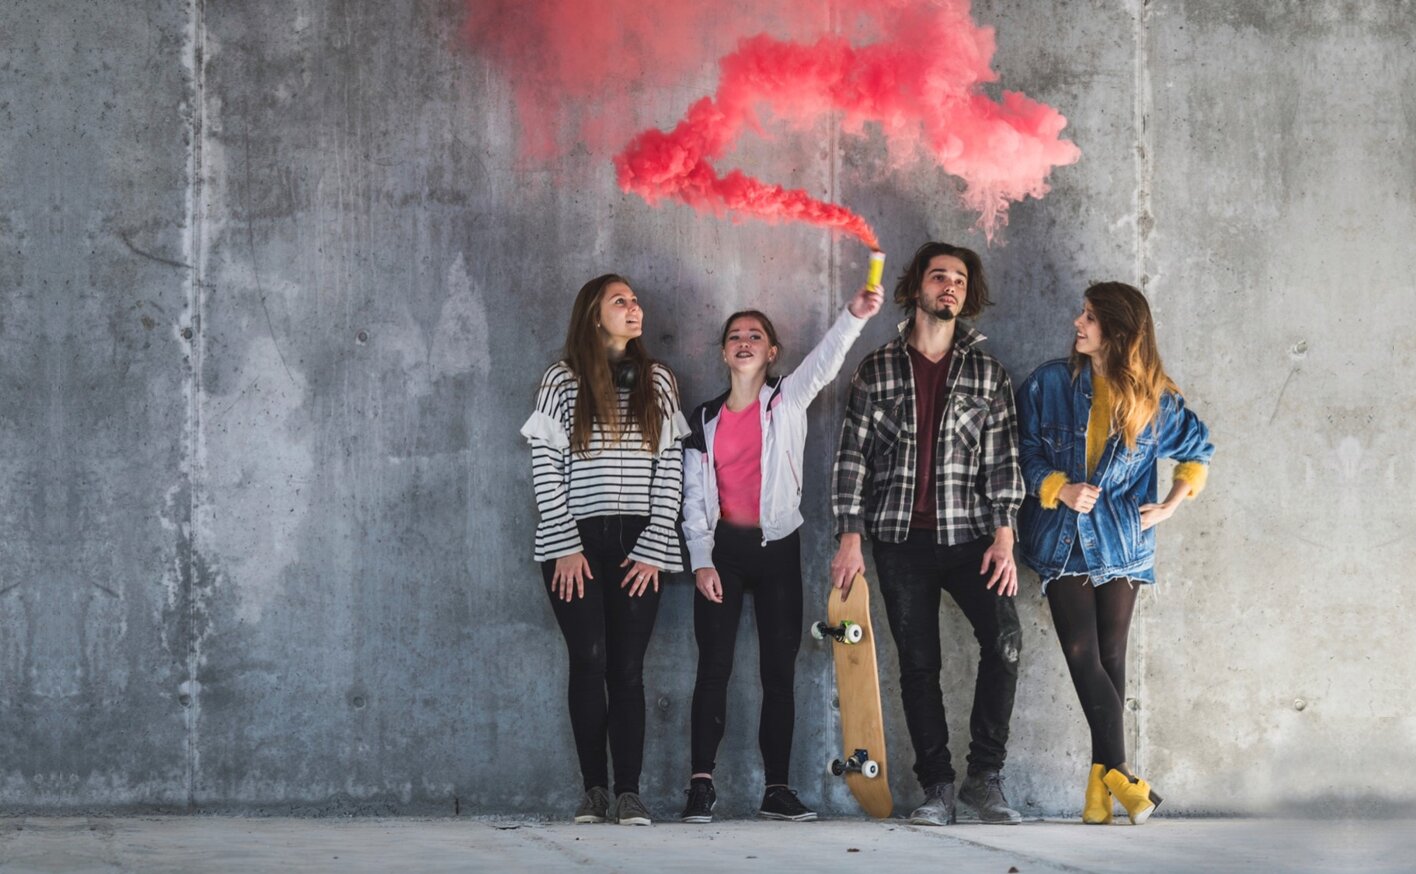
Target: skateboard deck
858 690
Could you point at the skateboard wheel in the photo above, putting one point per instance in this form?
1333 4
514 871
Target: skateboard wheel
817 630
854 633
836 768
870 768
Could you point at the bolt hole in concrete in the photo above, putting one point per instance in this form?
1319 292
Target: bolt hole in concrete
663 705
184 700
1300 349
186 333
358 702
1300 705
362 337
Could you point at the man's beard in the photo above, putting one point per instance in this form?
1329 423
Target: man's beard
943 313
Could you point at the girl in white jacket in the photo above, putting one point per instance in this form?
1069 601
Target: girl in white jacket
742 497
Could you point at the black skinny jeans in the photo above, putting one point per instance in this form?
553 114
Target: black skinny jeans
912 574
606 634
773 574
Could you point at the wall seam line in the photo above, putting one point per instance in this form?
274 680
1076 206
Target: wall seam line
1145 162
195 257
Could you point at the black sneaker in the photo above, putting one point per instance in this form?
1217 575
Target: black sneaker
702 798
779 802
630 810
594 806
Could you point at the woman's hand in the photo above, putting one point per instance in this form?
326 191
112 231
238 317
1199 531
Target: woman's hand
640 576
571 573
706 578
867 301
1079 496
1154 514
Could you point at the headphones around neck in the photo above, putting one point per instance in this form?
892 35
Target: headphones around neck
625 373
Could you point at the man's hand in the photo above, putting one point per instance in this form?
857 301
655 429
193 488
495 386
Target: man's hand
1000 556
1079 496
707 581
846 564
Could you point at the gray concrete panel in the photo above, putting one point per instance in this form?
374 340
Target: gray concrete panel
1270 672
95 281
373 337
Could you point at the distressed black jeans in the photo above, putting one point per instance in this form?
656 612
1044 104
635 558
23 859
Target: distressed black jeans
912 575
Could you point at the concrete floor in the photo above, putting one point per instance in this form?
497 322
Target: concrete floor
162 844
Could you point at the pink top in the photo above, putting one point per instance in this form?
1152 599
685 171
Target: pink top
737 462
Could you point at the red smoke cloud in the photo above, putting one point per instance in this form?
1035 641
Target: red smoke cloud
580 70
919 77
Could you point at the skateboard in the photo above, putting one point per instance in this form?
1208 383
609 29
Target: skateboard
858 691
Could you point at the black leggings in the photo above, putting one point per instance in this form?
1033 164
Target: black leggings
1093 623
606 634
773 574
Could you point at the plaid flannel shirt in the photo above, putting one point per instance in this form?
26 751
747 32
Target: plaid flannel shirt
978 483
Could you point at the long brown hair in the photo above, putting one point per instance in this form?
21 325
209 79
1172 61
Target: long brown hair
912 280
1131 357
596 398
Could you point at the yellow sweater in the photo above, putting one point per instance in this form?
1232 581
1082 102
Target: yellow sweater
1098 430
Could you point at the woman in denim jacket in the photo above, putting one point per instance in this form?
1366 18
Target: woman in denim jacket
1091 429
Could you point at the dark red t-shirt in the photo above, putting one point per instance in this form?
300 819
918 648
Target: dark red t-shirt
931 384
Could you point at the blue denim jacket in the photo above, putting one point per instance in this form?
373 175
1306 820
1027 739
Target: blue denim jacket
1053 409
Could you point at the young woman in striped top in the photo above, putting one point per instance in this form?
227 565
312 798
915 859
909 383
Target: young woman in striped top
608 473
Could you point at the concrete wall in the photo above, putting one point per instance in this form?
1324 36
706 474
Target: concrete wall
277 290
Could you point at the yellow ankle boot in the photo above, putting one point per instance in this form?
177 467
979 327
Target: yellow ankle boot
1134 794
1098 807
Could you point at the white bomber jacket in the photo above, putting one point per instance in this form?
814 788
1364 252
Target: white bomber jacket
783 409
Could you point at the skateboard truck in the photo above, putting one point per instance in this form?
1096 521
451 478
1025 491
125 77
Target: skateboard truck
857 762
846 632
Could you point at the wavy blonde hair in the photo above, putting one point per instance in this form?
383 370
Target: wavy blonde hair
1131 358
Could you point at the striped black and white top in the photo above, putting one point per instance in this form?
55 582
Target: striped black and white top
614 478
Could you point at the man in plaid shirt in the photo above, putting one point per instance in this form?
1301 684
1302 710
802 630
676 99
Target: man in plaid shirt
928 467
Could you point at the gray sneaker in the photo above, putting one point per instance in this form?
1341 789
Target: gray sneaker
629 810
938 806
594 807
984 793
